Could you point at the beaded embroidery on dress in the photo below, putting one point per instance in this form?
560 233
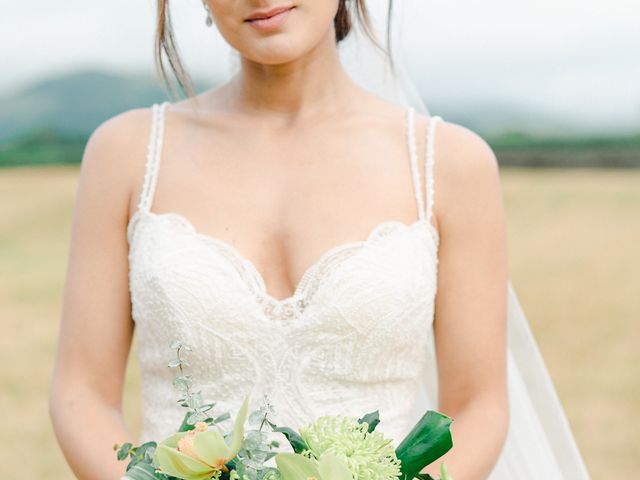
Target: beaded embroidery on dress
353 338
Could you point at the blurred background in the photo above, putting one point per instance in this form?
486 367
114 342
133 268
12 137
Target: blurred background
554 87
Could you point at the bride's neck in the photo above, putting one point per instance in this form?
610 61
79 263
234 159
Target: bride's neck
314 81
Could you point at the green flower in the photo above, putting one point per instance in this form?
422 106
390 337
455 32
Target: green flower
200 454
293 466
368 455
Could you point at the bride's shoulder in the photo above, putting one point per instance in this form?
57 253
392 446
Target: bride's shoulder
466 174
116 150
459 150
121 137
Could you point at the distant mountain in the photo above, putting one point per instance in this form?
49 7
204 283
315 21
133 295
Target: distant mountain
50 121
76 103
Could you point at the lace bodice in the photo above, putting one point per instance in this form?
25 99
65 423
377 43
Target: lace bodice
353 338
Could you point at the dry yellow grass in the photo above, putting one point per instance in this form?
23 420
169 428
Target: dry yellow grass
574 261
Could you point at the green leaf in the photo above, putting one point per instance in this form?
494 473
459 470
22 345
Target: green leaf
297 442
142 471
123 452
269 455
429 439
372 419
185 425
174 363
220 418
144 451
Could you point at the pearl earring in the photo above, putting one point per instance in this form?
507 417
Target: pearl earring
209 20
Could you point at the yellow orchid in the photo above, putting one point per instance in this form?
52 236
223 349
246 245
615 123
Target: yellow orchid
200 454
293 466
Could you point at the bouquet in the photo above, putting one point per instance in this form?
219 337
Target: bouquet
335 447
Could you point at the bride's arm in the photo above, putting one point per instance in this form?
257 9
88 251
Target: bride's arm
471 301
96 327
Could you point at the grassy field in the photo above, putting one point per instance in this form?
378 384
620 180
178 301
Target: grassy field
574 262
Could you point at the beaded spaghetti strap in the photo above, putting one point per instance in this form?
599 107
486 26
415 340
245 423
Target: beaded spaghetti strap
429 160
154 150
413 156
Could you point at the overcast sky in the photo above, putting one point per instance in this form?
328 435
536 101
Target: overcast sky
575 57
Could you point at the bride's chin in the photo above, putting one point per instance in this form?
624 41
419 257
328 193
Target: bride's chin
273 55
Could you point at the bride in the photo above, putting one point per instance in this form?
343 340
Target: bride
294 226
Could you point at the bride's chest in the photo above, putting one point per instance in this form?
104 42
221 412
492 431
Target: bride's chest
182 279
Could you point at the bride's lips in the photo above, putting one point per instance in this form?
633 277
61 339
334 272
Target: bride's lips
271 19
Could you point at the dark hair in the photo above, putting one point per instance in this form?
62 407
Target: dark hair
166 46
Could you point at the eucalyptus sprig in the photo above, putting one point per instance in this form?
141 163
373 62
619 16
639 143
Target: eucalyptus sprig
258 448
190 399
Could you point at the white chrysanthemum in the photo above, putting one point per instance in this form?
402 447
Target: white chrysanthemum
369 456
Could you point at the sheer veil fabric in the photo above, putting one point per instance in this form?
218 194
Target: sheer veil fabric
540 443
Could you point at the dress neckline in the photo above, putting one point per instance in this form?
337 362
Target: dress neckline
292 305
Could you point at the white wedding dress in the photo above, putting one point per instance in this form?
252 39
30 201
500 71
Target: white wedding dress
356 336
351 339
